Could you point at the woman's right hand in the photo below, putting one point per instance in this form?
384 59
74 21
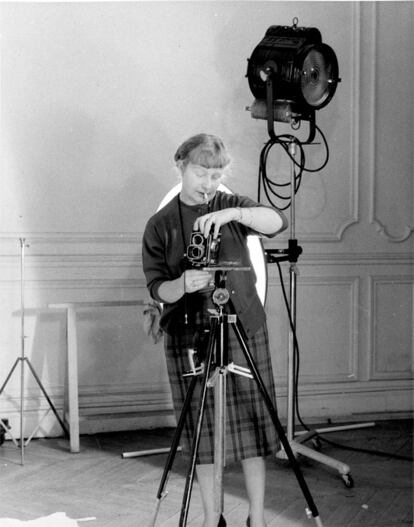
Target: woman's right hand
190 281
196 279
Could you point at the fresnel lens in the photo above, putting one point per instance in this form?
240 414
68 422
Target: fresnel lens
291 73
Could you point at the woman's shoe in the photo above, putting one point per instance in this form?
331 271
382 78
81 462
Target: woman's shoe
222 522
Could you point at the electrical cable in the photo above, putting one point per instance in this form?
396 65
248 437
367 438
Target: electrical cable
272 188
393 455
296 383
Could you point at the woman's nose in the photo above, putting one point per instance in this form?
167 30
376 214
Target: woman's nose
208 184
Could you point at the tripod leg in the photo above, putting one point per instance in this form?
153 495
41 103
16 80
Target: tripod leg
219 440
173 450
282 436
47 397
196 440
220 414
10 374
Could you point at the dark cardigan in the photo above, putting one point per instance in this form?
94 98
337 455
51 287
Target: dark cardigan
163 248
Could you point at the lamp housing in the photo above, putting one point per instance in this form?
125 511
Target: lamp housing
303 72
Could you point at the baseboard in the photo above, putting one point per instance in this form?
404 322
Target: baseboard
117 408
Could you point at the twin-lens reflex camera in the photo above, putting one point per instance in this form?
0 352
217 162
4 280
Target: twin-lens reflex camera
203 252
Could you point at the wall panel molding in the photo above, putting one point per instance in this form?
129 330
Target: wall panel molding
337 346
126 251
375 155
355 128
391 337
73 244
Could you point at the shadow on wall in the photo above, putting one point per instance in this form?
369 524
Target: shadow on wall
113 364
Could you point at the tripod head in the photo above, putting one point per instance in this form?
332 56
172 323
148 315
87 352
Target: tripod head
221 294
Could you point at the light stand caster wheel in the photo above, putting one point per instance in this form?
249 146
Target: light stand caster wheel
348 481
317 444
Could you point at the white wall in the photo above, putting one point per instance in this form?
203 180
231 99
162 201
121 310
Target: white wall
95 98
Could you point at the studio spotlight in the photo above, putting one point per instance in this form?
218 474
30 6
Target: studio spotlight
291 73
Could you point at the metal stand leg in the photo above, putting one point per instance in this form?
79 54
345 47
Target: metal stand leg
161 494
196 440
283 439
205 384
23 359
47 397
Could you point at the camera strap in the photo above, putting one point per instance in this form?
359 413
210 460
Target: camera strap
180 214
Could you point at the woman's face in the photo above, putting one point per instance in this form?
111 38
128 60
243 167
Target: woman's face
199 184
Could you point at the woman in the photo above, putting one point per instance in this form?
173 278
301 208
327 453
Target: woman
185 291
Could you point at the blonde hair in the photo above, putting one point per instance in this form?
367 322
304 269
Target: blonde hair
205 150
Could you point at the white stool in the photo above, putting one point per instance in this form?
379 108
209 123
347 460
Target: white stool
71 392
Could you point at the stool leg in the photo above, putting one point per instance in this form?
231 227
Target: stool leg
66 379
73 401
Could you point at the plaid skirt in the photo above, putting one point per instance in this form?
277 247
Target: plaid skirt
250 431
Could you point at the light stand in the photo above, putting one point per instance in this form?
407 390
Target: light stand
25 360
296 442
217 357
292 73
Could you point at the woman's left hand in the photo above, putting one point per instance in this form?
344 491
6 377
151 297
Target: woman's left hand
218 218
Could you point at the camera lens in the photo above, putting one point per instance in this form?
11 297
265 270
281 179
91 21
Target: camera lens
195 252
197 239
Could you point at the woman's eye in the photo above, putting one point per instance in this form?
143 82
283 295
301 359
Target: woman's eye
215 177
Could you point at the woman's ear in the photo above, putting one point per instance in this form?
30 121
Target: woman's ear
180 165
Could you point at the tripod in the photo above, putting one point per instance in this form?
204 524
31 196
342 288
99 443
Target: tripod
217 358
24 360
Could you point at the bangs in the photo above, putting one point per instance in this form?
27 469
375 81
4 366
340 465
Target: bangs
205 150
209 157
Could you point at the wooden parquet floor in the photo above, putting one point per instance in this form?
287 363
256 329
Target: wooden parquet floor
121 492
